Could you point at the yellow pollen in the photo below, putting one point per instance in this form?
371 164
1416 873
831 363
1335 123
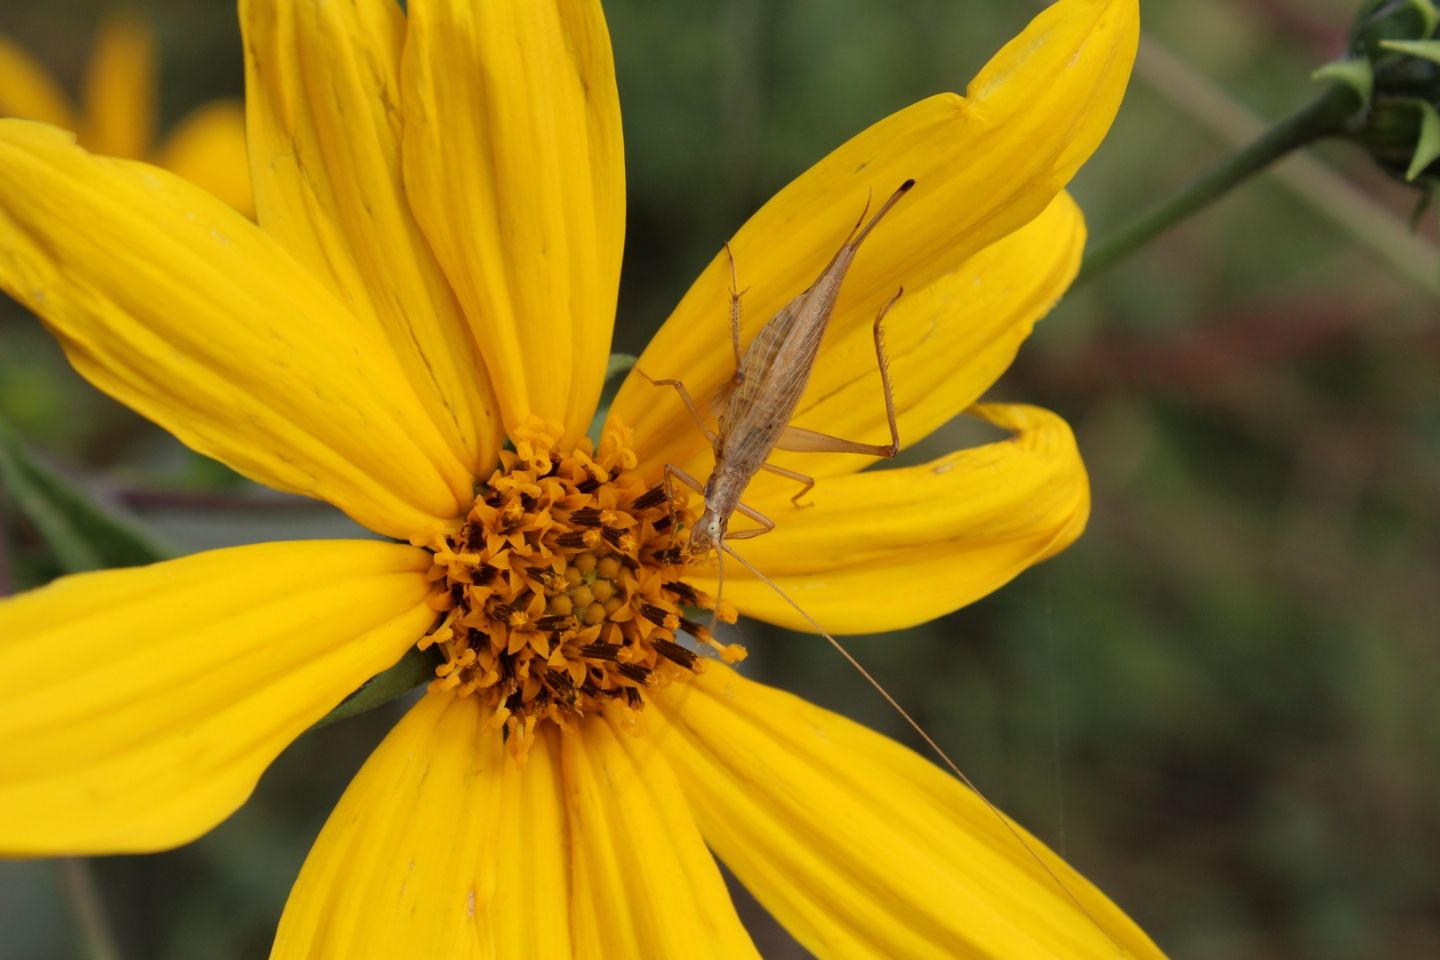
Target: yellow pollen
561 596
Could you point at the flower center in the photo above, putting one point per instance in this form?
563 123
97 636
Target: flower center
563 588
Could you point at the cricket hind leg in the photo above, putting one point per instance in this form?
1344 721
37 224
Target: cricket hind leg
800 440
807 482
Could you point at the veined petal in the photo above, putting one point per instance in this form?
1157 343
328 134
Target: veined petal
323 83
440 847
515 169
863 849
946 345
28 91
645 884
207 147
179 307
984 165
138 707
887 549
444 847
120 89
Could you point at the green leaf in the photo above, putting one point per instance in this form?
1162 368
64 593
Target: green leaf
1427 145
1424 49
82 533
1358 75
412 670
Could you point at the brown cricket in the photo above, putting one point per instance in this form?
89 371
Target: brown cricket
770 377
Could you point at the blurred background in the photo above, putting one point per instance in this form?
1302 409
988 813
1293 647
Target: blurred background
1218 704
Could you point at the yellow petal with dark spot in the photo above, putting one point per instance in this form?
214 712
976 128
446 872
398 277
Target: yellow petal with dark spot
985 165
515 169
207 147
174 304
863 849
121 89
888 549
323 95
138 707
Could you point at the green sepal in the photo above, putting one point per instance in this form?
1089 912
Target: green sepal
1358 75
1424 49
81 533
1429 16
1427 144
415 668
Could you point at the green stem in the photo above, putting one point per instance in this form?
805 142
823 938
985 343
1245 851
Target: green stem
89 909
1323 117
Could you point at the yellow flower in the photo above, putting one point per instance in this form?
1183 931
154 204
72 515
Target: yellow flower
441 208
117 116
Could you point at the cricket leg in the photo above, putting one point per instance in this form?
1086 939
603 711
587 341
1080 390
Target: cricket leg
679 386
807 481
766 524
673 473
800 440
734 313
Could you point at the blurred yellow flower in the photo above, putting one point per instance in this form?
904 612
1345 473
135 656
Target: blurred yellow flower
441 214
116 116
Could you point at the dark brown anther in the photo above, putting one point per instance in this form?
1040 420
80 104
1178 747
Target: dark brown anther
693 628
503 611
528 502
572 538
669 556
556 622
599 651
589 485
674 652
483 574
633 698
663 523
684 591
656 615
613 536
653 497
635 672
586 517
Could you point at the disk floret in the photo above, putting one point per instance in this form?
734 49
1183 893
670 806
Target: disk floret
562 591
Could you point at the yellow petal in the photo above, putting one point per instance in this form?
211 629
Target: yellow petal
138 707
515 169
443 847
985 165
177 306
207 148
120 88
323 83
860 848
645 884
887 549
946 345
440 847
28 91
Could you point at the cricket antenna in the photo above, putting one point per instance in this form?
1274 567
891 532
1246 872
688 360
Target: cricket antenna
913 723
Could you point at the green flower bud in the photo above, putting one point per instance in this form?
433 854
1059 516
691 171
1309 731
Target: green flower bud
1392 63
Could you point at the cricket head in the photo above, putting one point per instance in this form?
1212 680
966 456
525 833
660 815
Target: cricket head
708 531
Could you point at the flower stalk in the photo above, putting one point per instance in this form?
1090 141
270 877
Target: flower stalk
1326 116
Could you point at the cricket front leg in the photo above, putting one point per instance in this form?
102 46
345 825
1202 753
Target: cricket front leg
766 524
799 440
679 386
673 473
808 482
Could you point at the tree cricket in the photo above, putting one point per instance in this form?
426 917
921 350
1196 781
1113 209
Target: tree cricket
755 408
